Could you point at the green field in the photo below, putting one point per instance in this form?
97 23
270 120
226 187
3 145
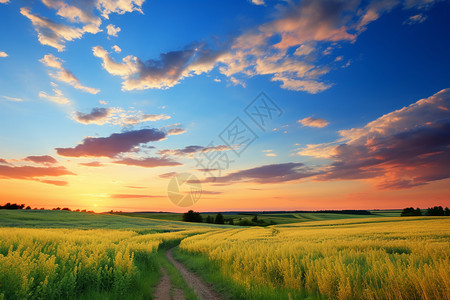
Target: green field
277 218
75 255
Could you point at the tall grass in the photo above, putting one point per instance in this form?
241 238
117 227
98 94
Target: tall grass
357 259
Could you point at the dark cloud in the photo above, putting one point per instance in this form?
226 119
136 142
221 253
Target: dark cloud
189 150
96 116
3 161
28 172
114 144
403 160
211 192
44 159
149 162
274 173
92 164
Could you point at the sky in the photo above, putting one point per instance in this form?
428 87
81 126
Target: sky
141 105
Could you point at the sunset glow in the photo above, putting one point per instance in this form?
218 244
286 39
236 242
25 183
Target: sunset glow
309 105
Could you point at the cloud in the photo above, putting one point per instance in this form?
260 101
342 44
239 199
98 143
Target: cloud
113 145
92 164
133 196
55 182
3 54
313 28
116 116
120 7
116 49
3 161
176 131
28 172
313 122
4 1
162 73
402 149
44 159
274 173
168 175
58 97
81 13
190 150
416 19
97 116
50 33
65 75
113 30
258 2
127 67
12 99
149 162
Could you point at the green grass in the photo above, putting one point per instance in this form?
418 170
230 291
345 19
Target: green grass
277 218
80 220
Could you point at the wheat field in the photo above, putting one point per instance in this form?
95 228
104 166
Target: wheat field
65 263
389 258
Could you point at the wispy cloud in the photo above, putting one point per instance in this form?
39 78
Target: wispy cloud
416 19
65 75
313 122
12 99
149 162
58 97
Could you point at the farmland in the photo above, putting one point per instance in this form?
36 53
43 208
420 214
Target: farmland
59 254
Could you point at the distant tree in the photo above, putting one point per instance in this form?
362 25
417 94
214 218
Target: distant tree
219 219
12 206
255 219
58 208
42 208
435 211
410 211
209 219
231 222
83 210
66 208
192 216
28 207
447 211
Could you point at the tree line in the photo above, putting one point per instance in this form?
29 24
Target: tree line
22 206
196 217
431 211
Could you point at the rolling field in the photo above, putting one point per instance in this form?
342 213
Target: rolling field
59 254
375 258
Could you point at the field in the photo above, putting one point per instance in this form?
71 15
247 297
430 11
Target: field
58 254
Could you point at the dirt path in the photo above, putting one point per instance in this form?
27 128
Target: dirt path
164 287
204 291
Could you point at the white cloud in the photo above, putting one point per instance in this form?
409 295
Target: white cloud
3 54
116 49
51 33
12 99
58 97
112 30
65 75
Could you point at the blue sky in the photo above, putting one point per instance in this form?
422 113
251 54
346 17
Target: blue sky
80 70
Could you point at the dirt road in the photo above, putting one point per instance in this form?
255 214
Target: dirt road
204 291
163 289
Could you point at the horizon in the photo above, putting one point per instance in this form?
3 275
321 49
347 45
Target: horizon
236 106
